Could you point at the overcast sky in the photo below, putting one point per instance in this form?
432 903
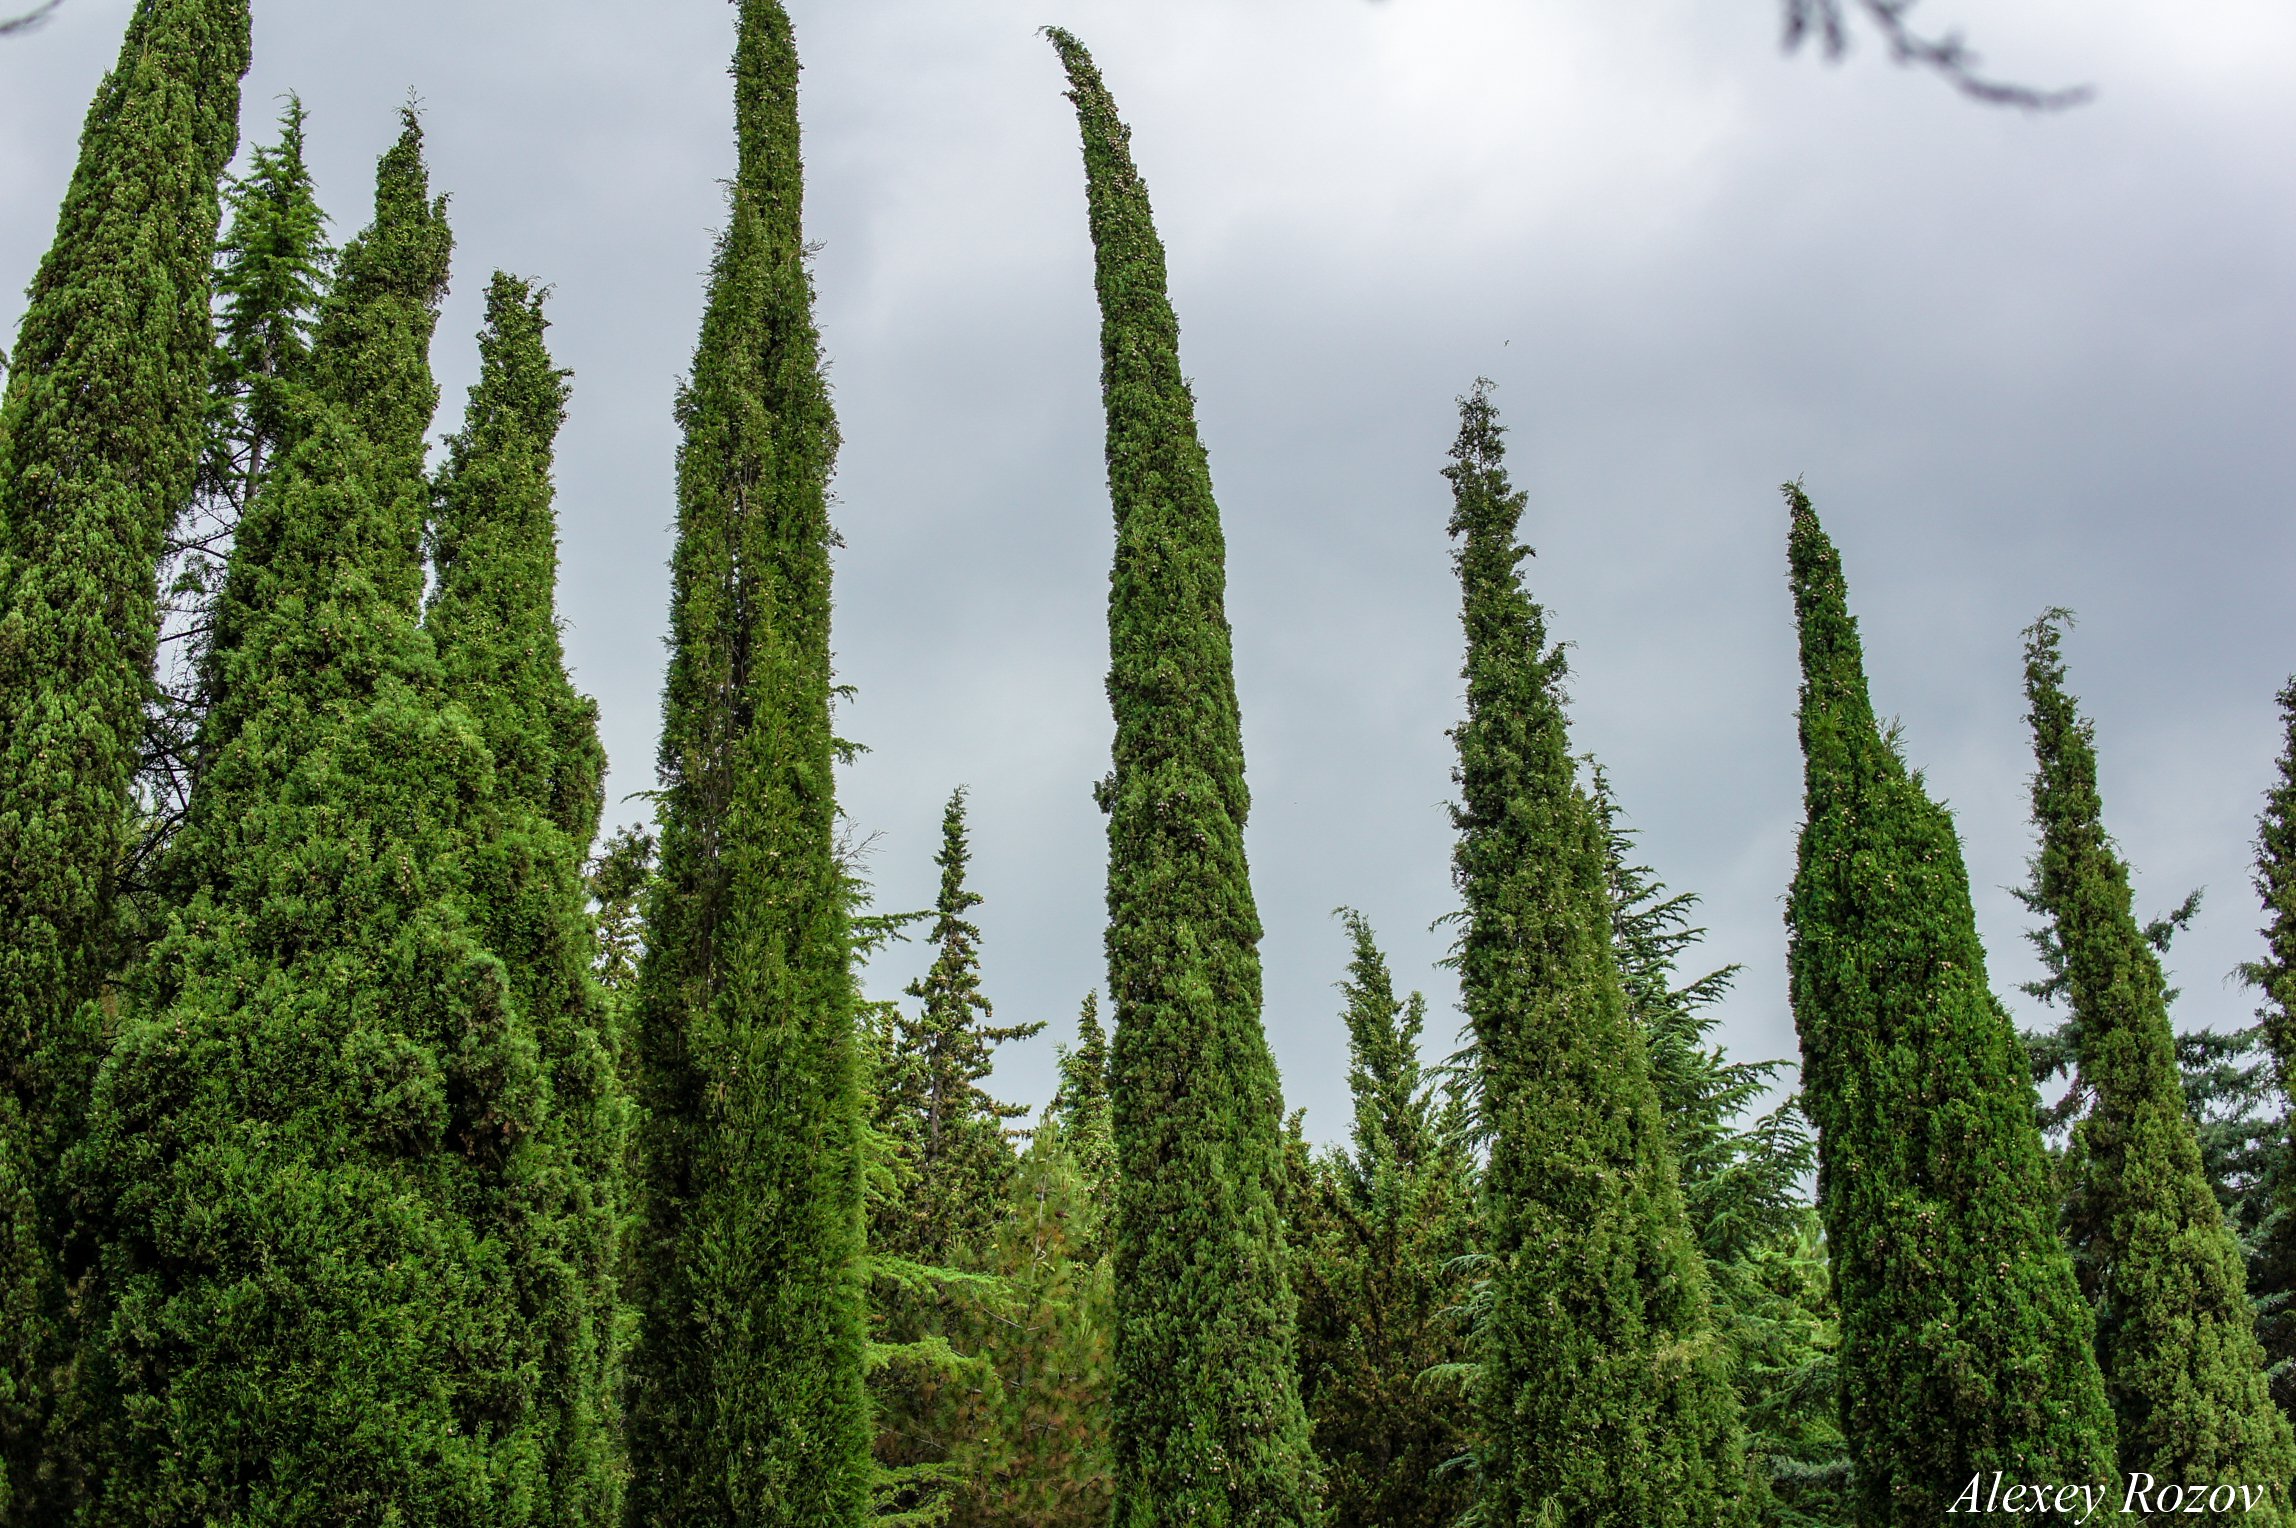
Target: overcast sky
2019 361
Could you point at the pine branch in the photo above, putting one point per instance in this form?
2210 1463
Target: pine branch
29 20
1826 22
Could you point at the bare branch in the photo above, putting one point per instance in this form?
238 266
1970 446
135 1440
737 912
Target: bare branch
1824 22
29 20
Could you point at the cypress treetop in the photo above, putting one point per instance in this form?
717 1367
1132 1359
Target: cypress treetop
1965 1341
746 1397
1208 1423
100 435
493 620
2175 1336
1604 1386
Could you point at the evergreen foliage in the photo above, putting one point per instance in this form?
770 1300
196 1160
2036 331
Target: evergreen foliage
1604 1387
493 619
931 1094
323 1150
1965 1342
1742 1188
746 1399
2175 1336
2273 1273
99 445
1380 1276
1080 1112
1208 1424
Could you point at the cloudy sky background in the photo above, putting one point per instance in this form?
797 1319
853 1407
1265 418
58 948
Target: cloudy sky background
2020 361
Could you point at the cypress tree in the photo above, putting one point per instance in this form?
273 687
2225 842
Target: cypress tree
1380 1277
1965 1342
493 620
2274 978
100 431
933 1098
320 1146
1208 1421
2175 1337
1604 1386
746 1399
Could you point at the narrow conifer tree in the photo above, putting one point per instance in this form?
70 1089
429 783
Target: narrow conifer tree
493 620
1604 1386
746 1399
1079 1111
1380 1280
933 1097
100 433
2274 978
317 1152
1209 1426
2175 1337
1966 1346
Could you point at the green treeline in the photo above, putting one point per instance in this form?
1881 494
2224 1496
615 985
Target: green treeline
382 1145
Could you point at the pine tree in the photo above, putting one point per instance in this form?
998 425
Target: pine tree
1742 1188
493 619
1604 1387
1079 1111
746 1399
99 445
1380 1277
2175 1337
1965 1342
932 1093
2273 1272
322 1145
1208 1422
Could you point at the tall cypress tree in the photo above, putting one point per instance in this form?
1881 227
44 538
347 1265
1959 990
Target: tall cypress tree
1208 1421
1604 1386
1079 1112
318 1148
932 1094
746 1401
1965 1341
2175 1336
493 620
1379 1277
100 433
2274 978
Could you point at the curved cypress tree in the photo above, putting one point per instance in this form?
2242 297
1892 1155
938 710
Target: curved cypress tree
746 1402
493 620
312 1155
1604 1386
100 435
1965 1341
1208 1421
2175 1336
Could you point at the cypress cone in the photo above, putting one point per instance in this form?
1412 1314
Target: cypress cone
2175 1337
746 1403
100 436
319 1148
493 620
1965 1341
1209 1426
1604 1386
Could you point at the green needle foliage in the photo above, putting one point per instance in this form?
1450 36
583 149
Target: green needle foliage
1209 1427
1965 1341
933 1102
2274 978
1080 1112
1604 1386
323 1150
1380 1278
493 619
747 1403
100 435
2175 1336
